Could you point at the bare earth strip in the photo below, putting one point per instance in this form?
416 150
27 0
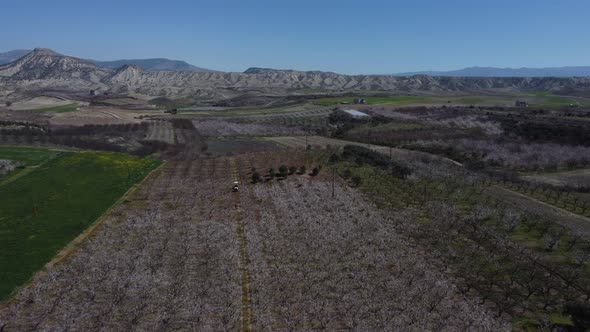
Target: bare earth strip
532 205
580 177
40 102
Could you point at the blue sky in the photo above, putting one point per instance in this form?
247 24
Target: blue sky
356 37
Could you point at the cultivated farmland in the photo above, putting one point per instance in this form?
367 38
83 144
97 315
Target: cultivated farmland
416 218
185 253
44 209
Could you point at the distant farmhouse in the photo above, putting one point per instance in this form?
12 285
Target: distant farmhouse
521 103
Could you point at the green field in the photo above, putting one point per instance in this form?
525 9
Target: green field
44 210
534 98
59 109
28 157
396 100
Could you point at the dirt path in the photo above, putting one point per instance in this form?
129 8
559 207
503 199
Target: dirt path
112 114
302 141
247 314
535 206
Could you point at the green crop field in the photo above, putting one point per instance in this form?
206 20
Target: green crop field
535 99
395 100
59 109
29 158
548 100
48 207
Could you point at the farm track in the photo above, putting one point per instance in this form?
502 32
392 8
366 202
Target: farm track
115 116
323 142
246 318
565 218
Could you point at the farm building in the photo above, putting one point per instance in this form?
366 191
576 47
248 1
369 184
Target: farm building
356 114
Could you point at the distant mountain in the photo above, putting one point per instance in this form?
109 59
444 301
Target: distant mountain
258 70
152 65
11 56
583 71
46 69
45 64
145 64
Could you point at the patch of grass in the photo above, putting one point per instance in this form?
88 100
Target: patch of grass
29 156
470 100
47 208
394 100
540 93
58 109
122 101
557 101
547 99
562 320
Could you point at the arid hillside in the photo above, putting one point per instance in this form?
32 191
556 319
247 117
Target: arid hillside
44 68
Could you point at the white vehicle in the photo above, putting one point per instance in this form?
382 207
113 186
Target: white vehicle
236 187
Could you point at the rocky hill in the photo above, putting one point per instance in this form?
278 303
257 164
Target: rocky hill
580 71
146 64
152 64
44 68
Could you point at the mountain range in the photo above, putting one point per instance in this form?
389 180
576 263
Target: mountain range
163 64
580 71
146 64
44 69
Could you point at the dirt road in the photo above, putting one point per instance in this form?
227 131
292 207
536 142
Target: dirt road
532 205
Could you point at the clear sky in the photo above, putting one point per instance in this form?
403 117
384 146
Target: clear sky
356 37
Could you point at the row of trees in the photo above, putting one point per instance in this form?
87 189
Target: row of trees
361 155
509 154
283 172
132 138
